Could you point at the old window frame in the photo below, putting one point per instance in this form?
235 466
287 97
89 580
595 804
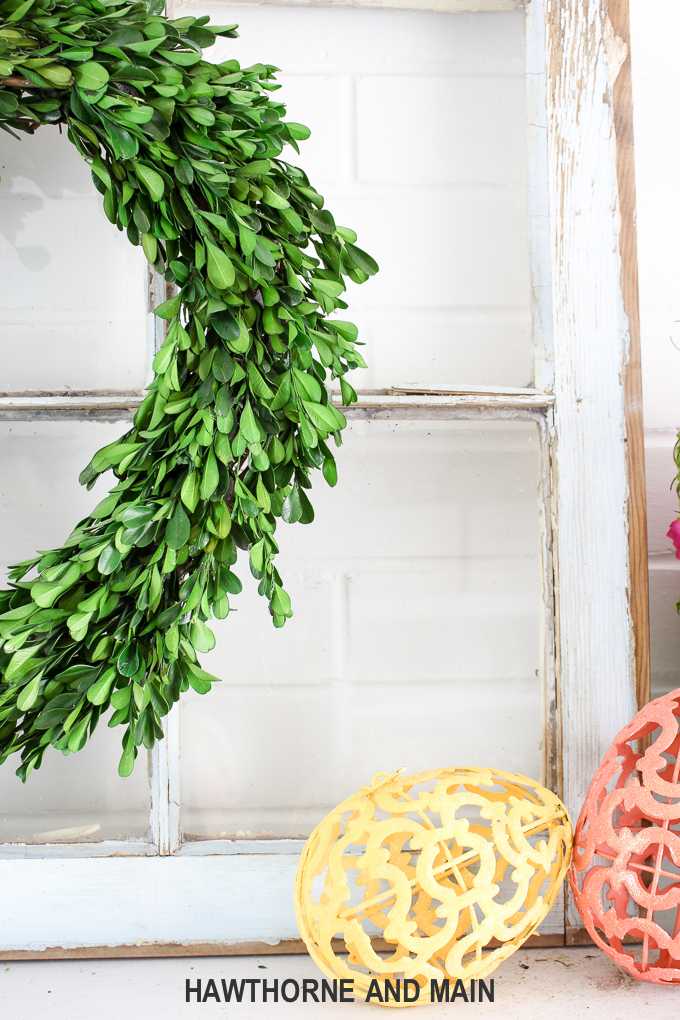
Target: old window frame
588 411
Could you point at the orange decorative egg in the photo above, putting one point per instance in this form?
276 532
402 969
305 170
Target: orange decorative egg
625 871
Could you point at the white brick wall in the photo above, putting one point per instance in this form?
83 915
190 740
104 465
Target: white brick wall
656 93
415 639
418 143
72 314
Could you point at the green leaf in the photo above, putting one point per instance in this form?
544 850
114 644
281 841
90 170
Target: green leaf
282 394
222 448
329 288
121 697
223 369
189 491
21 613
201 114
201 673
91 76
257 552
347 330
127 760
263 254
281 602
307 515
152 181
169 309
360 259
321 415
221 272
248 424
308 433
298 131
202 638
211 476
109 561
128 661
150 247
225 324
18 14
78 624
346 234
199 685
45 595
57 710
29 694
330 471
184 172
78 735
276 450
106 507
257 383
272 198
322 220
98 693
177 529
292 507
180 57
309 387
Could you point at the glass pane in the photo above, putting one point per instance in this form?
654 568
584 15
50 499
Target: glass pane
73 314
416 638
419 144
80 796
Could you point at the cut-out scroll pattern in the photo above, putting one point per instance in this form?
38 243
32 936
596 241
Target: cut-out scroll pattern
453 868
625 875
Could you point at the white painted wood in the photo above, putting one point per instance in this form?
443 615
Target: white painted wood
66 851
526 400
165 792
539 202
479 397
104 401
117 901
444 6
596 671
208 847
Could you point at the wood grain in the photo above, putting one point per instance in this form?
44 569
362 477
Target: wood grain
599 494
618 11
292 947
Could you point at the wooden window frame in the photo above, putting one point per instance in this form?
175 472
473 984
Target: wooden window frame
588 409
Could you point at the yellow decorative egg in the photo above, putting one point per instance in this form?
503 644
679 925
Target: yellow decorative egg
453 869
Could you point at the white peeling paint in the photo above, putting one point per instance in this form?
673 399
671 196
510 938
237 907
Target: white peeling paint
119 901
591 336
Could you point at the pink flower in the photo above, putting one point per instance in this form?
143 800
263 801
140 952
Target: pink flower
674 534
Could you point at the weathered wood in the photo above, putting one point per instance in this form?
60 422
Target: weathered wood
595 602
287 947
121 406
635 450
165 823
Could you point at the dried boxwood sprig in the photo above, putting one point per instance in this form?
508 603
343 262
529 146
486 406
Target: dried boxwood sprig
187 156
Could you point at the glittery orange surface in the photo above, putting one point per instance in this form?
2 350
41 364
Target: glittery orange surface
625 873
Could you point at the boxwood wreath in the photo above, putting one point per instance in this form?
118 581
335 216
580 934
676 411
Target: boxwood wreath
187 157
